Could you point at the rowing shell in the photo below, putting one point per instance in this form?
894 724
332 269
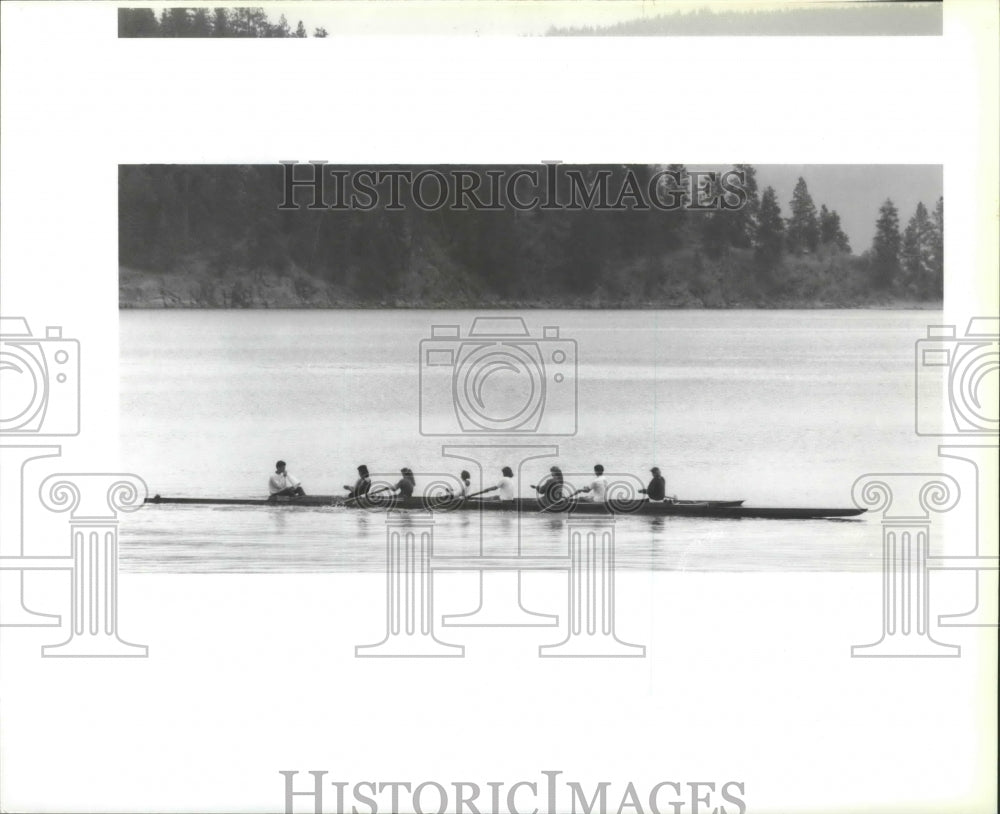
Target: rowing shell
733 509
526 504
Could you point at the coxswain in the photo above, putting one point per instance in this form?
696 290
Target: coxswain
283 483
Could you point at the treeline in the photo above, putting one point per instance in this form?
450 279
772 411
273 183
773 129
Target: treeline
858 20
207 22
218 232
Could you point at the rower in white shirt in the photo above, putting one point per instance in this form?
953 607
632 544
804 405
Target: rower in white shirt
598 487
283 483
505 486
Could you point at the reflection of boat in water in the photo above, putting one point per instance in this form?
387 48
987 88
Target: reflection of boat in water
732 509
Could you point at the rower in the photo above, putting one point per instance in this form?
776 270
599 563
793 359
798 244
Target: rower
361 485
598 486
551 489
406 484
657 488
505 486
465 483
283 484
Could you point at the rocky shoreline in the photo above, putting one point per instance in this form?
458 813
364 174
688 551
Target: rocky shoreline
144 290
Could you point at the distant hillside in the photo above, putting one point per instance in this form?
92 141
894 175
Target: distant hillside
882 19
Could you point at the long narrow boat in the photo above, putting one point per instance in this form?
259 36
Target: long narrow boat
525 504
731 509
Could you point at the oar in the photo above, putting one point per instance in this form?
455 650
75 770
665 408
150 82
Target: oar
565 499
367 494
449 497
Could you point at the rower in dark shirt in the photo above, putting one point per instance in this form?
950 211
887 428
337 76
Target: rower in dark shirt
657 488
406 484
361 485
551 490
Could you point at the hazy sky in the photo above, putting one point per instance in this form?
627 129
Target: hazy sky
857 191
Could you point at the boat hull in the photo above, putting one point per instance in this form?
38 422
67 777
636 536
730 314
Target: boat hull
721 509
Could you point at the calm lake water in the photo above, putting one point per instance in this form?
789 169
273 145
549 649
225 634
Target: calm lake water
780 408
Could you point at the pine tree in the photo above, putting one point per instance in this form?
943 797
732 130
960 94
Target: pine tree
300 30
830 233
180 22
743 222
936 287
220 23
675 190
320 32
137 22
201 26
281 29
803 227
885 247
167 24
725 228
717 226
917 253
249 22
769 241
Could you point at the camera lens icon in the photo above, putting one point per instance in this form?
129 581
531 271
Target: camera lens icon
498 379
973 389
499 388
39 381
24 387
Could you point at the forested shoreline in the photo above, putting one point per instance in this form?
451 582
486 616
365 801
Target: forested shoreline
199 236
201 22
